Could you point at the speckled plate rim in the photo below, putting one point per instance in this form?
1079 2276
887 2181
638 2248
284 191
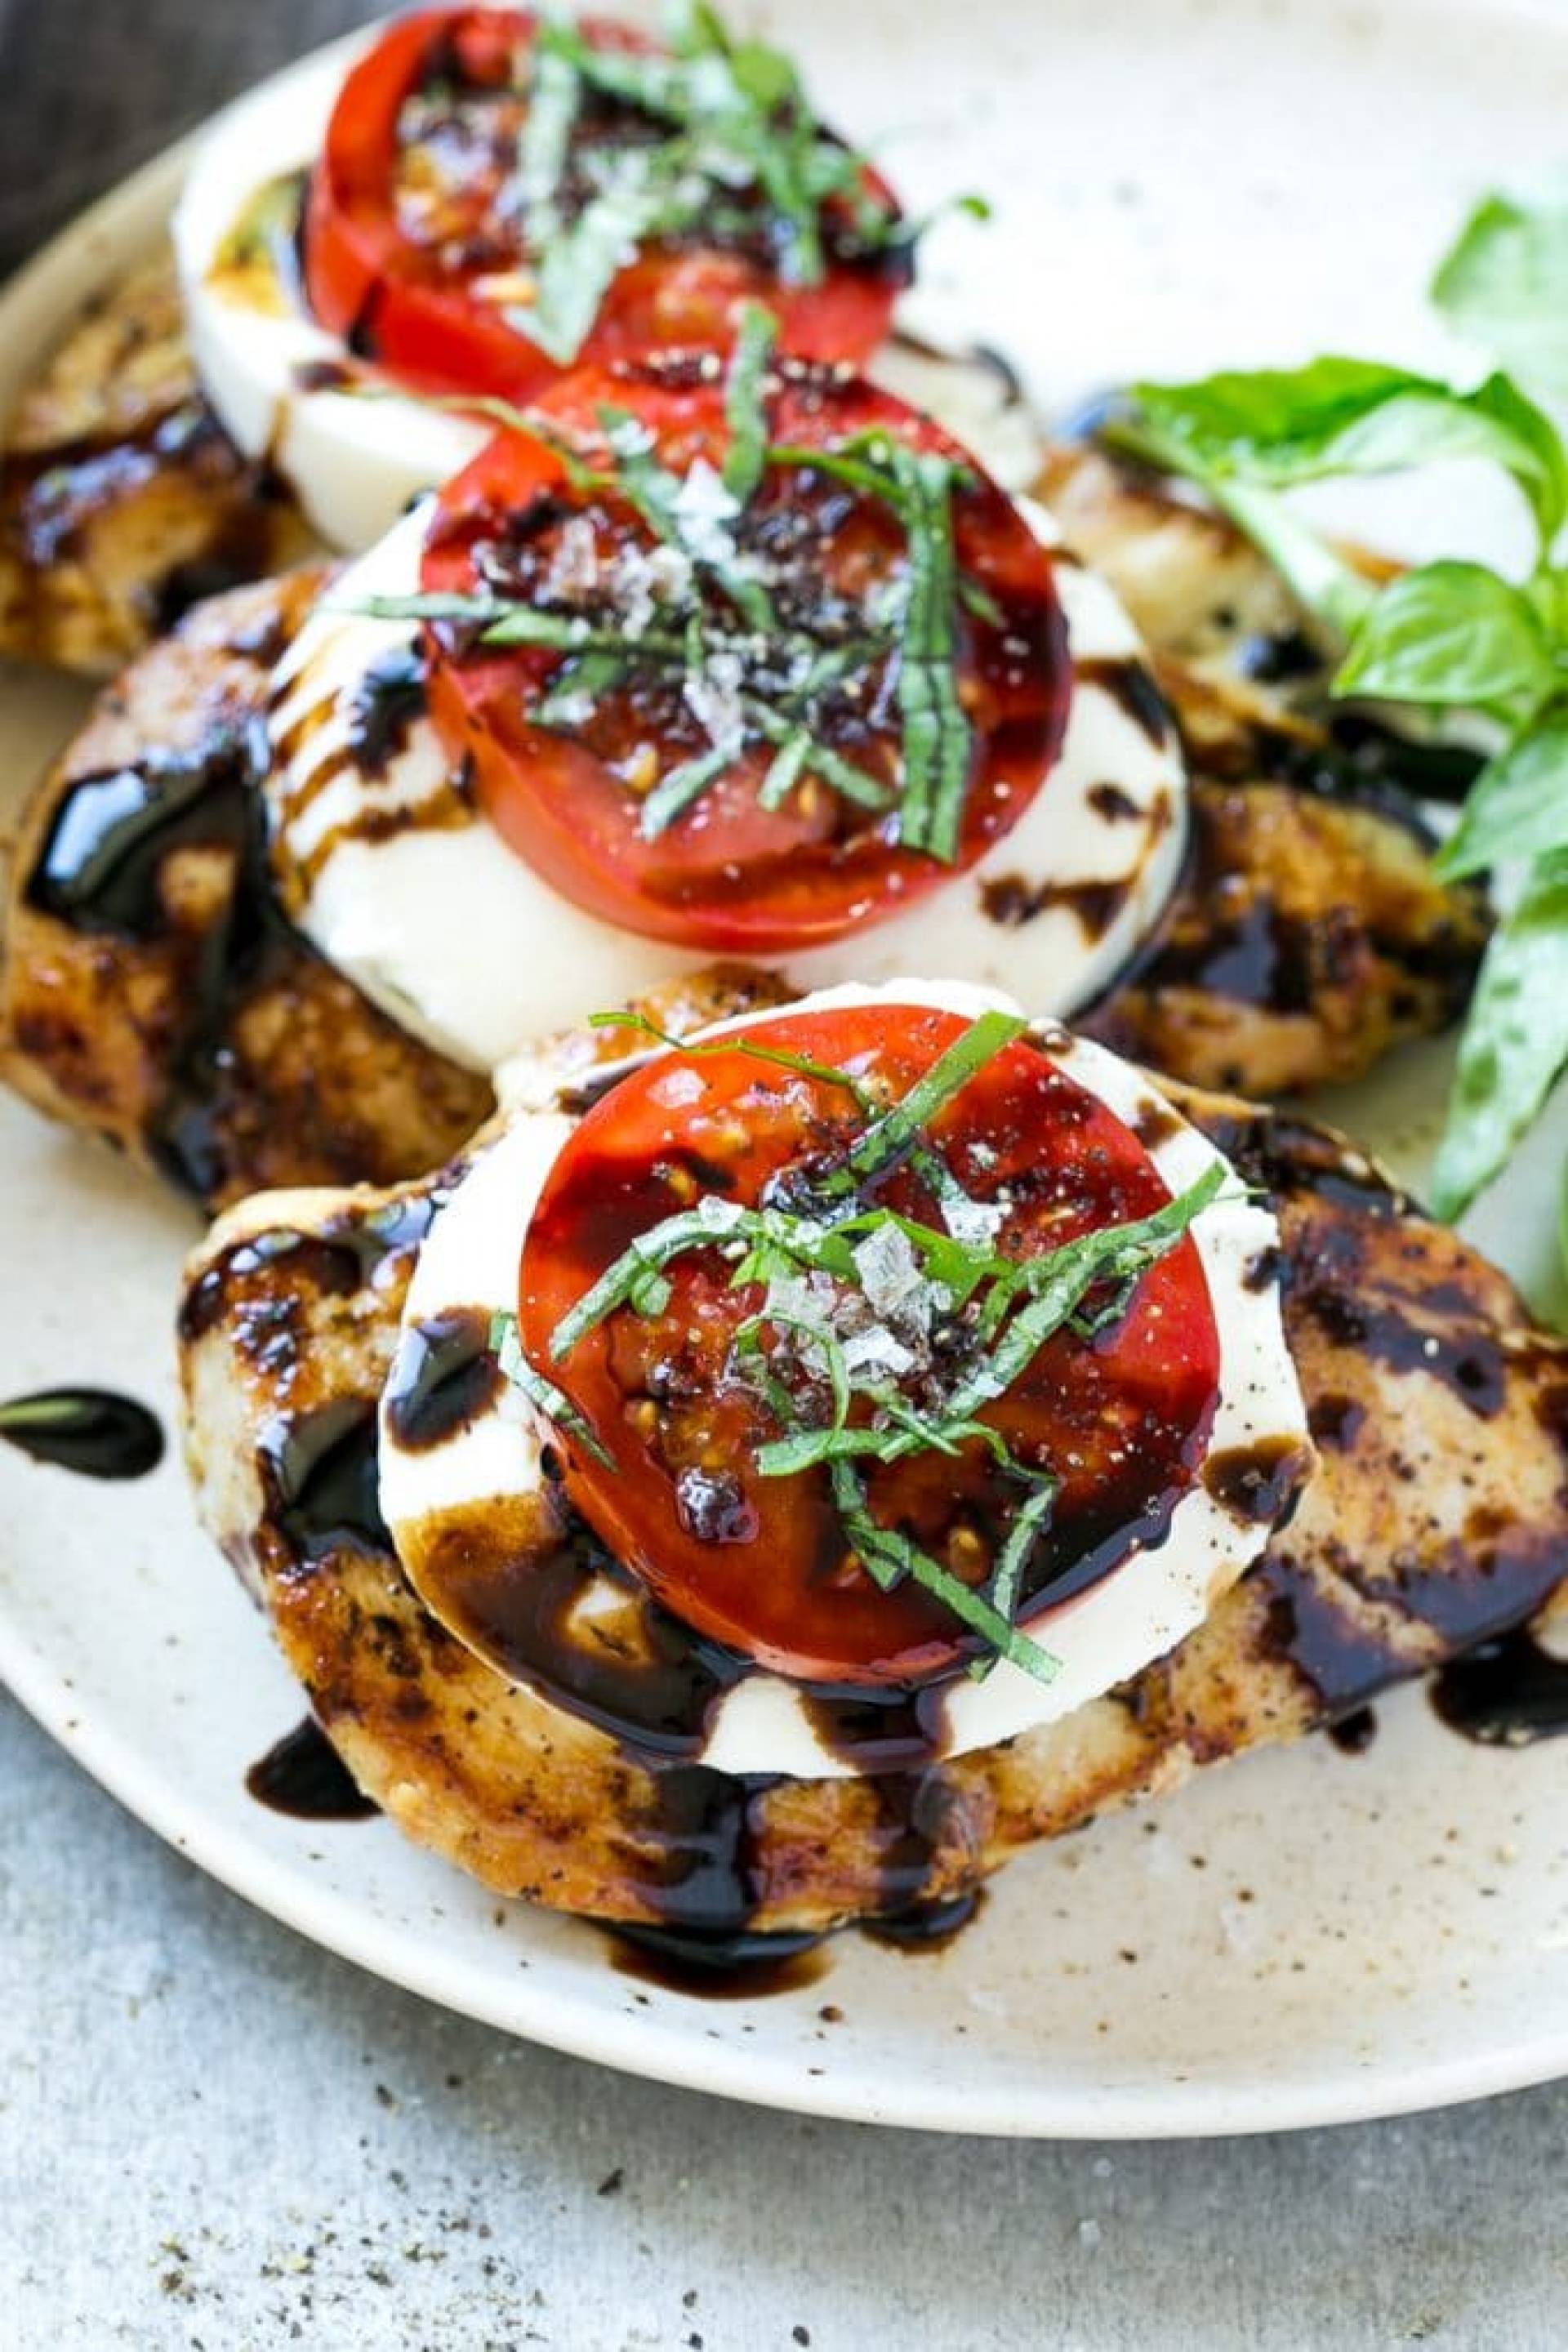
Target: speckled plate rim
35 304
642 2046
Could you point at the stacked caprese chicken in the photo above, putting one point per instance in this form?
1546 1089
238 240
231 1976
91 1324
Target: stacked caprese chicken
857 1387
911 1359
707 658
867 1355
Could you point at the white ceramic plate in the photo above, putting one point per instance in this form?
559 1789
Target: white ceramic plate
1300 1938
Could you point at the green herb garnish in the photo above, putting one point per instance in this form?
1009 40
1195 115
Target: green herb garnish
740 152
888 1556
779 682
937 738
844 1407
641 195
506 1346
1504 285
1445 636
887 1140
555 101
744 412
777 1056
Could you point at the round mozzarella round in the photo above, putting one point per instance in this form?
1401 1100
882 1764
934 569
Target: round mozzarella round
407 887
270 372
289 391
491 1457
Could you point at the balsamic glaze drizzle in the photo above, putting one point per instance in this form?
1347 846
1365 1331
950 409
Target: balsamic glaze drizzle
99 867
1257 1483
1354 1734
323 1471
303 1775
102 869
387 702
1507 1693
925 1926
442 1377
92 1431
1011 900
742 1967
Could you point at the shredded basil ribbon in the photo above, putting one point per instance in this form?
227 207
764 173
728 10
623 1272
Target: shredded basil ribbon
1026 1301
936 737
744 412
741 144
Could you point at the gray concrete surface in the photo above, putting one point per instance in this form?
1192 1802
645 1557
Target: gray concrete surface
213 2136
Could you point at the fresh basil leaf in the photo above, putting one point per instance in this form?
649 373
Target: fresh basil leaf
1515 1043
887 1556
738 1042
1456 635
695 30
1033 1518
840 774
658 86
765 76
889 1136
1321 580
1504 284
784 769
543 1395
1336 415
659 497
1518 806
681 786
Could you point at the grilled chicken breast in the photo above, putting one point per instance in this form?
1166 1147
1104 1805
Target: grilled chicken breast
169 1009
122 498
1437 1515
154 997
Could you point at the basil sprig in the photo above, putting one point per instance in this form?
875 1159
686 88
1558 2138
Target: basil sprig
832 1227
1448 636
740 151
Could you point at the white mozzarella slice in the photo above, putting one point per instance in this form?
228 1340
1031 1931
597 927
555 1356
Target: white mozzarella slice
353 462
470 1259
451 933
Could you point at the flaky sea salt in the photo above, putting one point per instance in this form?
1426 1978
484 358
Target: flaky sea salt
889 1270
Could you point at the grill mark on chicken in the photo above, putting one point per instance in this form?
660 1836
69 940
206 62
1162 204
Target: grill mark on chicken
122 502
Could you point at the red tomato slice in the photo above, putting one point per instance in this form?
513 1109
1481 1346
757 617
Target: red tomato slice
764 1563
730 875
405 219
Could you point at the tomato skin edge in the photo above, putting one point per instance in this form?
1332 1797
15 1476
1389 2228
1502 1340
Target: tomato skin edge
366 283
1167 1356
551 804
